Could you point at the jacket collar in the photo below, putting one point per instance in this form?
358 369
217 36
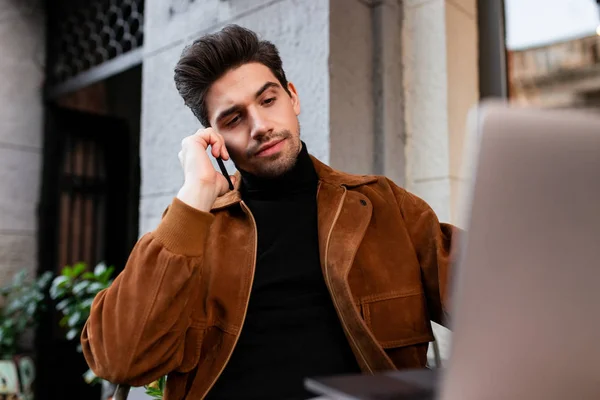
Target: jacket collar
326 174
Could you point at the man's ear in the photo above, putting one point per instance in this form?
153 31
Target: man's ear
294 98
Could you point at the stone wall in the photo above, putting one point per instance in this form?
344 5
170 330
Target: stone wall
22 49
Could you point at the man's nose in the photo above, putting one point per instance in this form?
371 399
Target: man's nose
260 125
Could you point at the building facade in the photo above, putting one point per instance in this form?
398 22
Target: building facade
565 74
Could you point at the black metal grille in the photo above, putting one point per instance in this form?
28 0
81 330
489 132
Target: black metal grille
92 34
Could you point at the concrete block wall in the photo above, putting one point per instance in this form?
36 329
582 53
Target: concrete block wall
22 48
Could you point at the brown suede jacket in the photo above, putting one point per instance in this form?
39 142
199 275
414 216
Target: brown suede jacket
179 305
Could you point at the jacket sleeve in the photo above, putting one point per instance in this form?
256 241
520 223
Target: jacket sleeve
435 244
136 329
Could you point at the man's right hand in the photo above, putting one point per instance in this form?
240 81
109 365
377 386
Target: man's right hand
202 183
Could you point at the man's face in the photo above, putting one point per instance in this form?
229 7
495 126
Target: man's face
257 119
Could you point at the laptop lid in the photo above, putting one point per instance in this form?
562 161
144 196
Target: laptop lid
526 298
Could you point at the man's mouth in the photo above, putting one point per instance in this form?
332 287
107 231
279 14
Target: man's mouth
270 148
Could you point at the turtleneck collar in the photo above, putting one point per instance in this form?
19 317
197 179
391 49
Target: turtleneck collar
301 178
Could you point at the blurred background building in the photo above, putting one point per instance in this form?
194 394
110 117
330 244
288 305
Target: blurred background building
554 53
91 123
564 74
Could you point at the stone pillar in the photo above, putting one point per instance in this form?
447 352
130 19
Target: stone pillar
463 91
440 85
22 49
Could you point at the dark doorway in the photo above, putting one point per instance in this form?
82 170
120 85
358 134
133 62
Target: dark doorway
88 208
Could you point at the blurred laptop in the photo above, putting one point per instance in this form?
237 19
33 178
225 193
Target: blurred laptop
526 293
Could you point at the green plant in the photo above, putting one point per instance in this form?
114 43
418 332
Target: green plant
156 389
23 303
74 291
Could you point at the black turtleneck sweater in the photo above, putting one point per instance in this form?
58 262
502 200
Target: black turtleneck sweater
291 329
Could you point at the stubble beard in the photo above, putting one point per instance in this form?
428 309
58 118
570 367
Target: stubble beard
278 164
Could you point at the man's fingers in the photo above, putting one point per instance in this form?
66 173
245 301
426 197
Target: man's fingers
208 137
216 149
218 146
224 185
222 148
225 153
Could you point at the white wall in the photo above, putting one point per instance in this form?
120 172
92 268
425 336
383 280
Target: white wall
22 50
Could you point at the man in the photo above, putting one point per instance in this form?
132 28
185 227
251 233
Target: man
299 271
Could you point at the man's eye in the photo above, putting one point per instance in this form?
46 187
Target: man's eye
269 101
233 121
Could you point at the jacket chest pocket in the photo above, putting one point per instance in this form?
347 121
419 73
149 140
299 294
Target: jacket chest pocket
397 319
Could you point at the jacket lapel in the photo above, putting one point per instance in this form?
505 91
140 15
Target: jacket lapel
343 218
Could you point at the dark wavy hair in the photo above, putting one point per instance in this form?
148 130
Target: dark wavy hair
210 57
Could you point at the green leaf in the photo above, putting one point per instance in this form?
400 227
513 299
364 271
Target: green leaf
74 319
95 287
31 308
156 388
57 288
89 376
19 278
71 308
64 320
63 304
87 303
44 279
14 305
67 271
80 287
100 269
88 276
78 269
107 274
72 334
